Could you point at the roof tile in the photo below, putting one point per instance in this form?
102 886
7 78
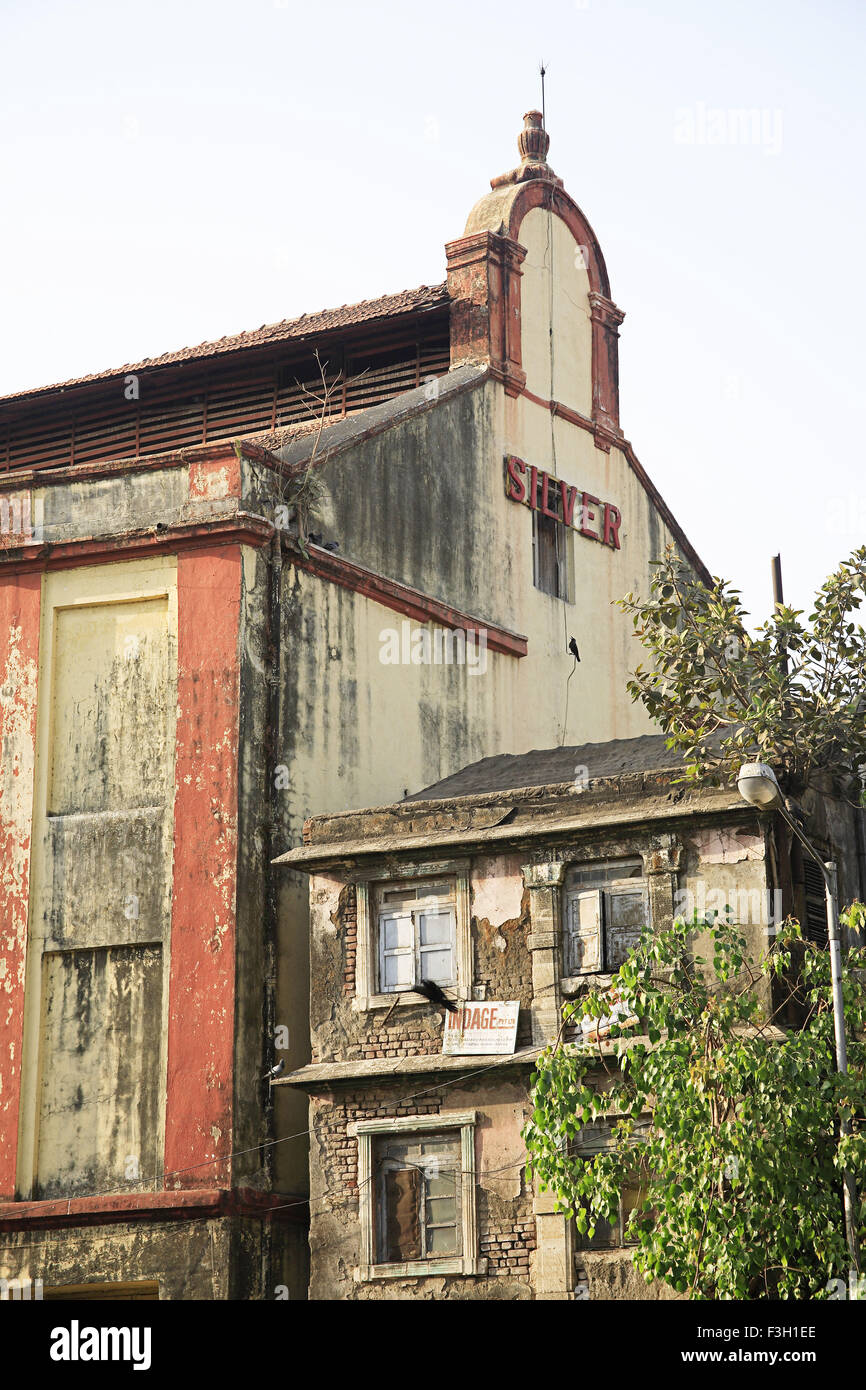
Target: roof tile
425 297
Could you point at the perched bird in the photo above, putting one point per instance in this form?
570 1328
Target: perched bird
435 995
795 811
572 647
275 1071
315 537
330 545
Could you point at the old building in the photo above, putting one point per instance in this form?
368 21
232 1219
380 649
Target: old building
513 881
227 607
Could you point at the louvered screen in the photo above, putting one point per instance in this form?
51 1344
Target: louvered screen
222 405
816 903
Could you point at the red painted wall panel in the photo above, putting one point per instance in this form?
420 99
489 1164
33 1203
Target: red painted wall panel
19 658
203 927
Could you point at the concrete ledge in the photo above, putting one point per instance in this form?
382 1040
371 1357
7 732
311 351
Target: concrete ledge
642 810
149 1206
362 1069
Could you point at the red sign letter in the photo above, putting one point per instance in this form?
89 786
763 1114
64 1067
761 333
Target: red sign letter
586 515
514 485
611 526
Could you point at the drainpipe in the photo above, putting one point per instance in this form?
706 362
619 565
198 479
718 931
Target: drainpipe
271 752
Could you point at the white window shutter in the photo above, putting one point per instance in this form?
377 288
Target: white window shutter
396 952
584 910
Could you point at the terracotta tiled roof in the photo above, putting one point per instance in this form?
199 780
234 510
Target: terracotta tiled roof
425 297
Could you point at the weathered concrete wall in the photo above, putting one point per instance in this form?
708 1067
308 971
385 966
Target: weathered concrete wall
255 1014
202 977
19 655
609 1275
424 502
100 1046
227 1258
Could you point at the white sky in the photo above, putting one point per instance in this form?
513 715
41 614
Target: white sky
180 170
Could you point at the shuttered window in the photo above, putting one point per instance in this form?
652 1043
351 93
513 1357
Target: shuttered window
606 908
815 894
417 936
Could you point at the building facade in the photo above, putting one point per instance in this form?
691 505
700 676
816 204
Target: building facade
508 883
228 607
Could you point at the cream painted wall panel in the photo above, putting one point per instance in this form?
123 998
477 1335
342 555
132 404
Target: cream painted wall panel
101 871
108 717
598 705
99 1092
555 283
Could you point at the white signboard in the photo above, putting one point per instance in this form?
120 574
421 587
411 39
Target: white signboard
479 1028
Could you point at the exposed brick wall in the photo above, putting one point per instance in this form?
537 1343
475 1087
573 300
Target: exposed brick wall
501 970
508 1242
396 1039
349 924
333 1115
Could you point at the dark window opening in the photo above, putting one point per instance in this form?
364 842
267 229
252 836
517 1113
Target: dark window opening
552 547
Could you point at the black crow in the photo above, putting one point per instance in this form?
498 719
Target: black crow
572 647
435 995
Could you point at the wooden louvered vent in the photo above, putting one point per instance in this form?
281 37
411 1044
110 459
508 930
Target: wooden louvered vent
816 903
215 405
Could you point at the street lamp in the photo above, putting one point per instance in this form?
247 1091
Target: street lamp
756 783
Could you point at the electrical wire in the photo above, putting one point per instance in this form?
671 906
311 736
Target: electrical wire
303 1133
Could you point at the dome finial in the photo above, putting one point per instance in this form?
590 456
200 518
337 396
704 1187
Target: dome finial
533 142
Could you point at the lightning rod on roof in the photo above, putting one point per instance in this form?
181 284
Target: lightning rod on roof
542 70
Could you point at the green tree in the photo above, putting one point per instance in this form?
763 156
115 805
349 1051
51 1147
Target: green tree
740 1165
790 694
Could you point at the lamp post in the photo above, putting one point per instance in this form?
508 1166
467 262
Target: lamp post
757 784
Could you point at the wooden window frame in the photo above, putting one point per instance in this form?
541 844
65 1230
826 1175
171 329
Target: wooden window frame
605 890
589 1150
468 1262
564 548
417 951
425 1166
367 993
